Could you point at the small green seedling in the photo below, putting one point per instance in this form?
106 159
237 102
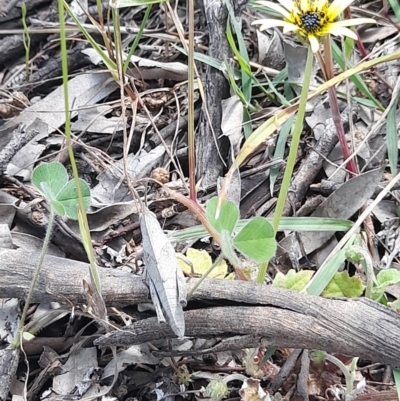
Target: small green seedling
376 286
349 373
341 285
51 179
293 280
384 278
256 240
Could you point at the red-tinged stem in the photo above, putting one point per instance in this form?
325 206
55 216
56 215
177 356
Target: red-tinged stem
200 214
361 47
351 166
360 44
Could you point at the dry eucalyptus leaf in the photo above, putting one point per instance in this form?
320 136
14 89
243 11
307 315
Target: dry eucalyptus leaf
201 262
252 391
342 204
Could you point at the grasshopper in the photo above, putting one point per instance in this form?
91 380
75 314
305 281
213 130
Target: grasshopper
163 275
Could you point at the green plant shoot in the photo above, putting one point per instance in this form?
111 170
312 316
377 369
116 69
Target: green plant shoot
51 179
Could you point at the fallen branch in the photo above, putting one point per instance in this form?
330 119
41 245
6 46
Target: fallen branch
272 316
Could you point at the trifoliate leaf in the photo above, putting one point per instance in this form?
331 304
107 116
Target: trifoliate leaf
58 207
342 285
50 178
256 240
68 197
227 249
228 216
293 280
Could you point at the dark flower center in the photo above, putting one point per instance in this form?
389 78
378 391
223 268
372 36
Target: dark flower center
311 21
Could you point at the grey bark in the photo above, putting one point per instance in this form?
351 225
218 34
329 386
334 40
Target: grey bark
8 366
210 147
312 164
264 315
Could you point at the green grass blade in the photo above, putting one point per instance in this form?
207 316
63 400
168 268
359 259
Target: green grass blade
396 375
323 276
283 100
245 80
286 223
361 100
348 47
396 8
234 86
133 3
356 78
280 151
244 62
112 67
281 77
211 61
364 102
138 37
247 128
391 135
242 55
62 5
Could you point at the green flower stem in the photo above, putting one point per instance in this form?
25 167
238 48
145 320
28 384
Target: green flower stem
67 127
262 271
348 375
67 130
357 254
16 342
201 279
234 376
296 133
26 39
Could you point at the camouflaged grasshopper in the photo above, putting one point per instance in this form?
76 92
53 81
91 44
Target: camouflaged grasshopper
163 275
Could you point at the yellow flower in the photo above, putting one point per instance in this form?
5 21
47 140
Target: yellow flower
312 19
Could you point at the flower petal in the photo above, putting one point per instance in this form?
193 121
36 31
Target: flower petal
342 31
276 7
262 3
320 4
337 7
354 21
305 5
314 43
288 4
271 23
288 27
